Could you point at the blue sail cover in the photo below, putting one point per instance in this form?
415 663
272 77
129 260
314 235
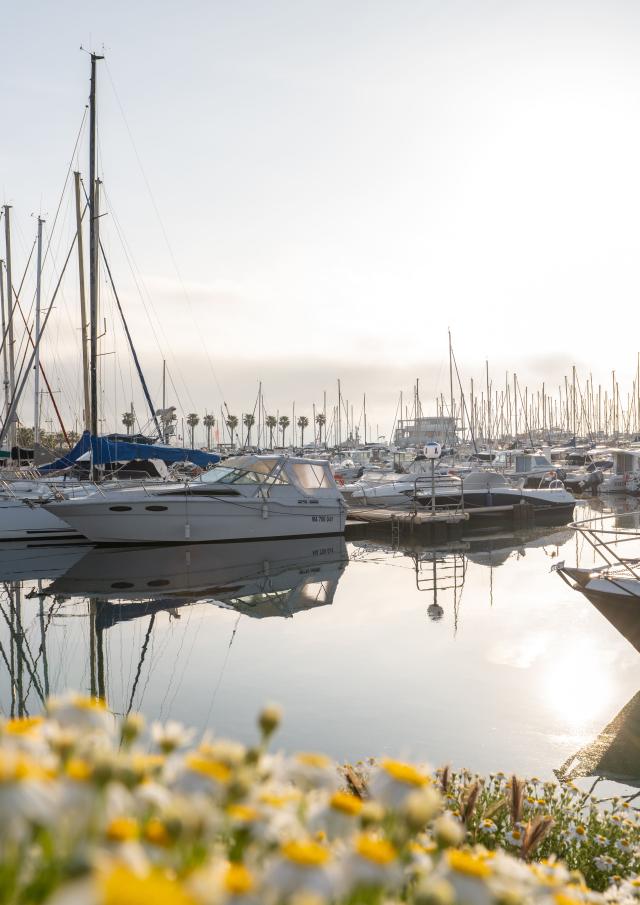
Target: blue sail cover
106 451
82 446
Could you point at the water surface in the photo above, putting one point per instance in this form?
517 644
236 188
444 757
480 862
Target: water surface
475 654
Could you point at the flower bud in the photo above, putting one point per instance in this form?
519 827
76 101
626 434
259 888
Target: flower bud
131 728
421 806
371 813
433 891
448 831
269 719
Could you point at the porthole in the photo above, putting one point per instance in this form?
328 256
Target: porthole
120 508
158 583
156 508
121 585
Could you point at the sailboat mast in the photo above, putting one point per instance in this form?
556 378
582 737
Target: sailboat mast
451 400
10 338
83 308
5 370
93 250
36 363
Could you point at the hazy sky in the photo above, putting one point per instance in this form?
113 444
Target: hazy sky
318 190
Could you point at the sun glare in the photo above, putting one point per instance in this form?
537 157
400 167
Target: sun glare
578 686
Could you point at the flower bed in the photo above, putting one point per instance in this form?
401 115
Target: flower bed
98 810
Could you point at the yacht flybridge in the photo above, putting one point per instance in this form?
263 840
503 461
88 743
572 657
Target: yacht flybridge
246 498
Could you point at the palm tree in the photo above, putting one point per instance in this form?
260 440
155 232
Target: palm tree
128 419
271 422
302 422
209 421
248 421
321 420
192 421
232 425
284 424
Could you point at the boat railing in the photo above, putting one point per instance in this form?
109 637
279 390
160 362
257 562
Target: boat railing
606 540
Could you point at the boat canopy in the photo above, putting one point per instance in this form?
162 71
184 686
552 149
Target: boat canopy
484 480
307 475
105 451
626 460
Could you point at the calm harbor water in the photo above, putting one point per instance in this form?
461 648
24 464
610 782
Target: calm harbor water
476 654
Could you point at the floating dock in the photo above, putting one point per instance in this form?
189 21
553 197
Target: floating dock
441 525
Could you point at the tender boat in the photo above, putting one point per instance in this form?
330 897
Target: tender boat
624 477
530 469
247 498
481 489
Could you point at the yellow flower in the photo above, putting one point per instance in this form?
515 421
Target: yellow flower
124 887
406 773
561 898
346 803
156 832
213 769
374 849
78 769
122 829
22 725
420 848
84 703
468 864
19 767
238 880
312 759
144 764
306 853
275 800
243 812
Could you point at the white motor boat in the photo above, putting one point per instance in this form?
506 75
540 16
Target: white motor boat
402 491
247 498
486 489
23 516
481 488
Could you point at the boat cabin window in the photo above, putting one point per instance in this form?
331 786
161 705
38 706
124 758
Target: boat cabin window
522 463
310 476
542 461
222 474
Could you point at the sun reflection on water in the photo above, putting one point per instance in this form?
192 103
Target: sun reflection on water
579 684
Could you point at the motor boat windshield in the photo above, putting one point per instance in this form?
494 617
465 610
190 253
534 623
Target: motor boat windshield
306 475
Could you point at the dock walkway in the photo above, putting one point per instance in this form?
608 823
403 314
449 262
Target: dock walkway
443 524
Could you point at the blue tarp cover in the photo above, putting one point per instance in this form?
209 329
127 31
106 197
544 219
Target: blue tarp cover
82 446
105 451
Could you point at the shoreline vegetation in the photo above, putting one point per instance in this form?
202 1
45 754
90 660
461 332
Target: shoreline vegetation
101 810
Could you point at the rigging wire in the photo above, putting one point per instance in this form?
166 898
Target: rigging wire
164 231
222 670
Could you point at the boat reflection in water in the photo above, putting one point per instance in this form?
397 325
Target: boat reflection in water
258 579
22 561
440 572
614 591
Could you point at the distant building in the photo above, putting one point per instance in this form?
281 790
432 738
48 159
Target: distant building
418 431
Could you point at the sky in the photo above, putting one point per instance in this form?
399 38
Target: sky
310 191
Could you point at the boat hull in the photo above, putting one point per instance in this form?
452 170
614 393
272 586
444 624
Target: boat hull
22 521
157 520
